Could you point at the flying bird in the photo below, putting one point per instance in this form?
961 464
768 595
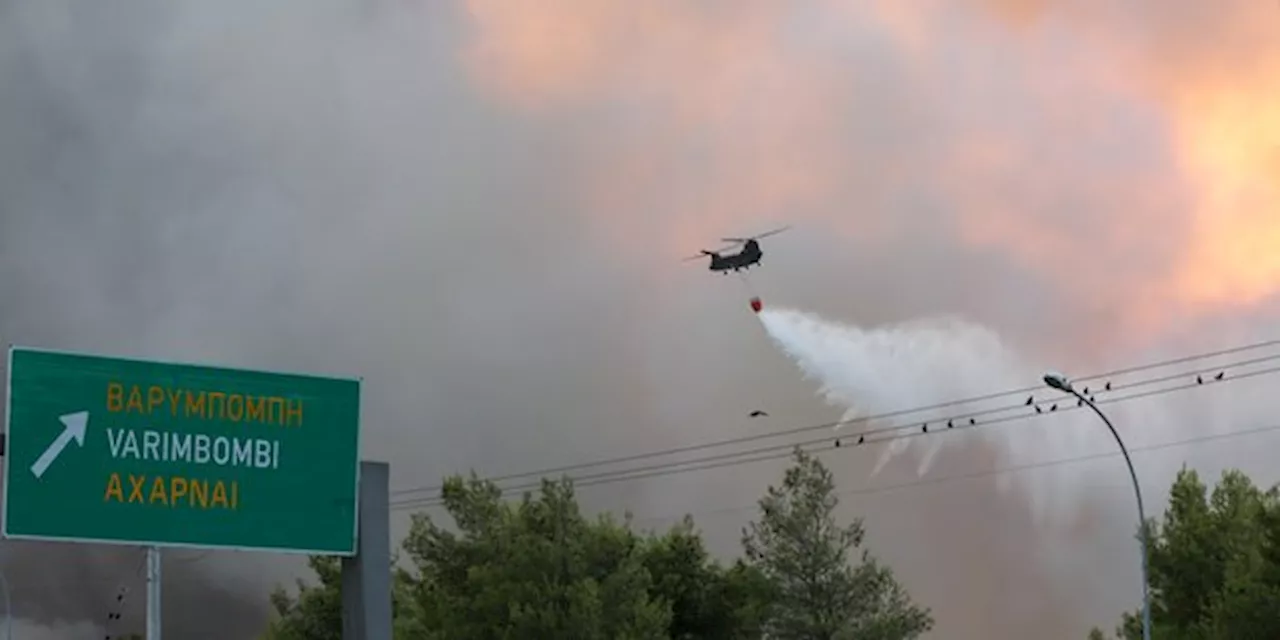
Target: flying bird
757 413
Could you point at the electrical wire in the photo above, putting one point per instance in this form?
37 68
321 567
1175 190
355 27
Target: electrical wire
863 419
733 458
873 436
776 452
1030 466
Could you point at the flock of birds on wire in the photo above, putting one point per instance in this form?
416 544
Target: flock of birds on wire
1031 402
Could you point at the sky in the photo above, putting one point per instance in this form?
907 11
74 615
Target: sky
481 207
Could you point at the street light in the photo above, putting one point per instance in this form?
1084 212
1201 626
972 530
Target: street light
1062 383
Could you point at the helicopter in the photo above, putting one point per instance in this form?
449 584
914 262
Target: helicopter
750 254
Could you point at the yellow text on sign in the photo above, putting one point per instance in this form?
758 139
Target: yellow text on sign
206 405
172 491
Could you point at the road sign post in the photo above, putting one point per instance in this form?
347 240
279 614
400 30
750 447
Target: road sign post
366 576
153 593
113 450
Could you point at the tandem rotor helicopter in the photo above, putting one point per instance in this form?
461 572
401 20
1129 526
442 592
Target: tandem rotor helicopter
750 254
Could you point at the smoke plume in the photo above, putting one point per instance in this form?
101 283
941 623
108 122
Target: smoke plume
877 376
480 206
868 373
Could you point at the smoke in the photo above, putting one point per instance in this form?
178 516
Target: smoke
932 362
58 586
480 207
878 371
311 188
1054 519
63 631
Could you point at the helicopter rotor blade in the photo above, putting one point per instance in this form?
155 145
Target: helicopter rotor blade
756 237
769 233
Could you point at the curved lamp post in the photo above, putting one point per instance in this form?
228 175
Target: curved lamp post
1060 382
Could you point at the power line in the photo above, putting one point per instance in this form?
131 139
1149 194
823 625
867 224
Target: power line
830 425
1030 466
767 453
868 437
874 436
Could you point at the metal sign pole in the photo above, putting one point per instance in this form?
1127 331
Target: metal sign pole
8 607
153 593
366 576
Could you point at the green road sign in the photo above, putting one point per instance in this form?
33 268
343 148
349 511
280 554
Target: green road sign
147 453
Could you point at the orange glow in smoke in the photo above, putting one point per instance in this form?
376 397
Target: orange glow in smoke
533 53
1230 139
718 119
714 129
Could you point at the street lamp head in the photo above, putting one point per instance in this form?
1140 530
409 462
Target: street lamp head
1058 381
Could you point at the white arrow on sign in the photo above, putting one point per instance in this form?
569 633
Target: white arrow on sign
73 426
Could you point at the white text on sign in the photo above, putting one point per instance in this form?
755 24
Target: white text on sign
197 448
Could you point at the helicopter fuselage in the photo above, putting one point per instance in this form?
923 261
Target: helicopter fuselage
750 255
745 258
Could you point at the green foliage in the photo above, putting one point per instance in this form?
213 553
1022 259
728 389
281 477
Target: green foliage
535 570
803 554
1214 563
706 599
316 614
539 568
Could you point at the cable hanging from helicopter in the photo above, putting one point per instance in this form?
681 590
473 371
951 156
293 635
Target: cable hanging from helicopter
749 256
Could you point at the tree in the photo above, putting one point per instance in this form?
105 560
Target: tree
1214 563
707 600
804 555
316 612
538 569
